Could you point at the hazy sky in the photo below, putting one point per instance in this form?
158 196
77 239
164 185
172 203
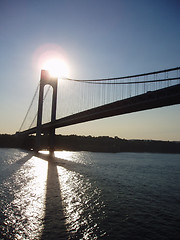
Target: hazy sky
98 38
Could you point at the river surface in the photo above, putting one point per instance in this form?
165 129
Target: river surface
85 195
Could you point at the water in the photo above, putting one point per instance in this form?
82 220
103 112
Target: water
84 195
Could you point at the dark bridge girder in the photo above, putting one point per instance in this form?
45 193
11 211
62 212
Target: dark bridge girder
152 99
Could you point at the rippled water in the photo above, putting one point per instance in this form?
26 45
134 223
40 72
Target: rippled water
83 195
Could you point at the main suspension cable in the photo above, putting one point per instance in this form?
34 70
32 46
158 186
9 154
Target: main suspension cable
125 77
29 107
135 82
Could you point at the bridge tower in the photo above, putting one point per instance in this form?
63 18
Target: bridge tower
46 79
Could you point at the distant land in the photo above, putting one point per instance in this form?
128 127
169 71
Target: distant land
92 144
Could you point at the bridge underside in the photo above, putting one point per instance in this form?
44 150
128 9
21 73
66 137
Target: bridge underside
152 99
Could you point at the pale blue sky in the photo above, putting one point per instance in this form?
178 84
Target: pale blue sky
99 38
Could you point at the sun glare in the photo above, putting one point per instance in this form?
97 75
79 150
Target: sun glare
56 67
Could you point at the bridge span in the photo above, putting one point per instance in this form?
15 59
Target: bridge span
152 99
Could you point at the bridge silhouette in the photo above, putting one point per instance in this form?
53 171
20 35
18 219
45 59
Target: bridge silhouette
109 97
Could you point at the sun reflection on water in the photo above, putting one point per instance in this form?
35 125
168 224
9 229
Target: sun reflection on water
24 214
63 182
83 204
67 155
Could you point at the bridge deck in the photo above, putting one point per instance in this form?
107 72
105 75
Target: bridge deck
152 99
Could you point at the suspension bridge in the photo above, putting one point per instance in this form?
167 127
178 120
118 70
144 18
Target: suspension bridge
68 101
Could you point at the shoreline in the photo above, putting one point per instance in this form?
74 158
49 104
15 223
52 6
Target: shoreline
92 144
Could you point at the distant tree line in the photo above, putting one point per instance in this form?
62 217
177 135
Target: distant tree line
93 144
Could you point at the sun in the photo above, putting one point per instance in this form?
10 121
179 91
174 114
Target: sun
56 67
